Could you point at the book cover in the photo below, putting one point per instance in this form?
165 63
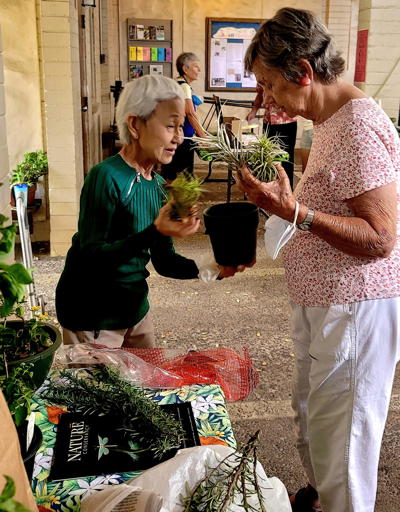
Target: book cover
161 54
168 54
139 53
152 32
132 32
146 53
132 53
135 71
154 54
160 33
89 445
140 31
156 69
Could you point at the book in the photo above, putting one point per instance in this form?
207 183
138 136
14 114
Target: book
91 445
140 31
146 53
152 32
160 33
146 33
168 54
160 54
135 71
154 53
139 53
132 53
132 32
156 69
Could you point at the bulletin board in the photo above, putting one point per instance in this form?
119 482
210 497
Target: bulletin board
227 42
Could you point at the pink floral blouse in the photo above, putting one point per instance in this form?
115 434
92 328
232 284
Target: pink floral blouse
355 150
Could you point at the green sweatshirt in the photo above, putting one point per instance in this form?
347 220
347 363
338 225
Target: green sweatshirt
103 285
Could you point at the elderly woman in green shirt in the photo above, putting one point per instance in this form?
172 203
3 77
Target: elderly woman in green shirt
102 293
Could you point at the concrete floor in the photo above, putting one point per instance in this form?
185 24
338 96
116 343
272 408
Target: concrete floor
249 309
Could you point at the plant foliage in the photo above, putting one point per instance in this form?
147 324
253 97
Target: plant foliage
185 190
109 393
34 165
7 503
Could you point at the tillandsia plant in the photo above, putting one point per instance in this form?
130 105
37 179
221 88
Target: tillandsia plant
185 190
34 165
141 419
259 155
233 480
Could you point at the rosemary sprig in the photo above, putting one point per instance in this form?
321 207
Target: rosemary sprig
235 477
259 155
185 191
108 393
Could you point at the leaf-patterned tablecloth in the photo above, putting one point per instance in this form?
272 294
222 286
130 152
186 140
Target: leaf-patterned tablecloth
212 421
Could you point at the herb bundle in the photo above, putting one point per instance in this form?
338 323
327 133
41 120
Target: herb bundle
259 156
107 392
185 191
234 478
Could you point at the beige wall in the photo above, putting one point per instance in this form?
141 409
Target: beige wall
21 74
4 190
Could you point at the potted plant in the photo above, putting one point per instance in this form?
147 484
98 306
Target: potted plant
232 227
185 190
27 347
28 172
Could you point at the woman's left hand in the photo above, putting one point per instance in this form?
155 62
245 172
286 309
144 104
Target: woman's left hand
225 271
176 228
275 197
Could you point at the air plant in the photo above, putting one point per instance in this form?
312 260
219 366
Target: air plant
185 191
259 155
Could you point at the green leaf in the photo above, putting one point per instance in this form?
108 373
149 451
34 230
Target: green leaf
8 489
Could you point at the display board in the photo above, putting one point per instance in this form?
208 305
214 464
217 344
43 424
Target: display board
149 47
227 42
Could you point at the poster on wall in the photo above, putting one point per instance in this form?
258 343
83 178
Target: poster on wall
228 40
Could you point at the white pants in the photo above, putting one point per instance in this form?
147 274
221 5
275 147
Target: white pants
140 335
346 357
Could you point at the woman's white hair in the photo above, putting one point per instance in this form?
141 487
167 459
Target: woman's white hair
141 97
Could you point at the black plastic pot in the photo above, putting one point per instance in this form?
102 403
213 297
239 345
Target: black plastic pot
28 456
232 228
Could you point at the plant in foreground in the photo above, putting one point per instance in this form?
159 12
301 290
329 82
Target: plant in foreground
7 503
234 479
185 190
109 394
259 155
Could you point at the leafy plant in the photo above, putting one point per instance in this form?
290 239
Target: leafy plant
7 503
234 478
259 156
18 388
140 418
185 191
34 165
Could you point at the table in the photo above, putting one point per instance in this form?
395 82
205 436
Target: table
212 421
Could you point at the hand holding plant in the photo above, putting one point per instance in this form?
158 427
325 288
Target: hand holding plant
184 191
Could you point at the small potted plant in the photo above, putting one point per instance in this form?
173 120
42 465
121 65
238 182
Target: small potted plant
27 347
232 227
28 172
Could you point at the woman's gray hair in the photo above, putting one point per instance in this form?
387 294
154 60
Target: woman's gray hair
183 60
141 97
291 35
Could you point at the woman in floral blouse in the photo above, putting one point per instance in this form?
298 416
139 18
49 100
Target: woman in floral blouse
342 265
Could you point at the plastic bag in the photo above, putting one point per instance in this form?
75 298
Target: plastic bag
169 368
169 480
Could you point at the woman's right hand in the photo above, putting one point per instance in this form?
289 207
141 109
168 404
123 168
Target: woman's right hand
175 228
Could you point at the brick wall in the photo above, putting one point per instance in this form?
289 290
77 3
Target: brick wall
60 54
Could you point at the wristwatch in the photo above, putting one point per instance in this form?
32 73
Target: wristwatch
307 222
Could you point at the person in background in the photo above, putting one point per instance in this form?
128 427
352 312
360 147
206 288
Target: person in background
276 122
306 141
101 296
188 67
343 263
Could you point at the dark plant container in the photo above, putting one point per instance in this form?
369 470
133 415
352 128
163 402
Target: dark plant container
232 228
28 456
31 195
43 360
